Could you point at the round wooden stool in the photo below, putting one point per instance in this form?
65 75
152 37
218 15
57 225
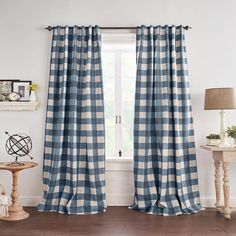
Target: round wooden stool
16 211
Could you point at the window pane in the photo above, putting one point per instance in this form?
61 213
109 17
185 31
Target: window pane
128 94
119 72
108 66
108 63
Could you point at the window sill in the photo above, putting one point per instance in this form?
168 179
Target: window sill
119 159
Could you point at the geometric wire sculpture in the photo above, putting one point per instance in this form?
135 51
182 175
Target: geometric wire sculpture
18 145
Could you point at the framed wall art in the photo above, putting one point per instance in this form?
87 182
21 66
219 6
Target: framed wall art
22 87
6 86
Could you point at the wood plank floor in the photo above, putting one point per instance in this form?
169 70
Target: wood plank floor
120 221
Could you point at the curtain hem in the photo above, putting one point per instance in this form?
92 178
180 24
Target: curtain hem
59 209
156 210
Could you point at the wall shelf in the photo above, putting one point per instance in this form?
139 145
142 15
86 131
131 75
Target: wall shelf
19 106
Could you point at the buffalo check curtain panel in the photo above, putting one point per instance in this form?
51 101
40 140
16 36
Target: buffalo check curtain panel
165 168
74 165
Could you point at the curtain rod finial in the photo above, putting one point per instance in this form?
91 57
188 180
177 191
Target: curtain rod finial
49 28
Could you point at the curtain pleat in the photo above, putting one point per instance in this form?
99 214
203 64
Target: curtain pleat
74 156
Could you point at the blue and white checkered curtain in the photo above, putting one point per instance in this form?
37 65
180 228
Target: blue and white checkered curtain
165 168
74 158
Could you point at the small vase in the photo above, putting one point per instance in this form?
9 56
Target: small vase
33 97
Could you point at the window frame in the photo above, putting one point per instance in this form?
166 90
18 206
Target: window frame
118 43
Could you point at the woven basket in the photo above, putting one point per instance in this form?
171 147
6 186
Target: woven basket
3 203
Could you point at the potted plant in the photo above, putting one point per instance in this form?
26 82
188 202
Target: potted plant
231 131
213 139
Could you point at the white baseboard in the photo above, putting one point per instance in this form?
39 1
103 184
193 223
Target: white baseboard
210 202
29 201
121 200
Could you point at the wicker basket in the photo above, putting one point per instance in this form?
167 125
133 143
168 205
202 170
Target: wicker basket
3 203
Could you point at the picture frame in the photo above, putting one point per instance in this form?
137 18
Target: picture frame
6 86
22 87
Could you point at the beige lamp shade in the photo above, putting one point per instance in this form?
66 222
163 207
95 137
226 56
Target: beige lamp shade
220 99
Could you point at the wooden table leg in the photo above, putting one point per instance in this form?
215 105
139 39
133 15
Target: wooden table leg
16 212
14 193
217 184
226 188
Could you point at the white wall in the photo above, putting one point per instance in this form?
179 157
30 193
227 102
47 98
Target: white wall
25 51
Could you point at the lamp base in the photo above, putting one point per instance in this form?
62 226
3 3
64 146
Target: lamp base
223 141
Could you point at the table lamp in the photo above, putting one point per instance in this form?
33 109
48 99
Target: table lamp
220 99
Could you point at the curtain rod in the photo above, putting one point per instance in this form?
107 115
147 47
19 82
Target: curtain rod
49 28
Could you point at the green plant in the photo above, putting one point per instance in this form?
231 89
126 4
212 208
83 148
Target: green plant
231 131
213 136
33 87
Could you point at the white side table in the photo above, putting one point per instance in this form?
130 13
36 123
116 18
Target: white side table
222 157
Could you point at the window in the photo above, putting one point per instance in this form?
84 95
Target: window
119 73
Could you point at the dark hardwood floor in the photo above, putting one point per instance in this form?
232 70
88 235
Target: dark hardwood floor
120 221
